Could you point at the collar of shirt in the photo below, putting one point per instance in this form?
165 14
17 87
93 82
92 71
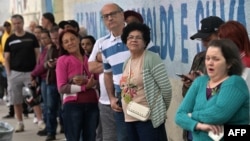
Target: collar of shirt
113 38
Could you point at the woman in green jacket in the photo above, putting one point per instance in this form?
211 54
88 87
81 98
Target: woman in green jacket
144 81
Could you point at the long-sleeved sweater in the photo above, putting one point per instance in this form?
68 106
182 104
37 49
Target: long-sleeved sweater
52 53
157 87
40 70
229 105
66 68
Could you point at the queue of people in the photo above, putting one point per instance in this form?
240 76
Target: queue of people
70 69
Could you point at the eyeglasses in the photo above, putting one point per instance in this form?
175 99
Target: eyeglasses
134 37
111 14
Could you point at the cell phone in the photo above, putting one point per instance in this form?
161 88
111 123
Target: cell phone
197 73
184 76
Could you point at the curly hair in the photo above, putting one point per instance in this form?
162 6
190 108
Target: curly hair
143 28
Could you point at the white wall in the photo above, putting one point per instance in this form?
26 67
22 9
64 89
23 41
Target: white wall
30 9
4 11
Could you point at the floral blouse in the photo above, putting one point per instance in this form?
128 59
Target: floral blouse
132 87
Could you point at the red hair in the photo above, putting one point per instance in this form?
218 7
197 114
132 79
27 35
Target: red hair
236 32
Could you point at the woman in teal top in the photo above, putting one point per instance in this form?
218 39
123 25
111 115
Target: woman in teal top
218 98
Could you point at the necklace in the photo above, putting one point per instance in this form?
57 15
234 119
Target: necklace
212 84
214 89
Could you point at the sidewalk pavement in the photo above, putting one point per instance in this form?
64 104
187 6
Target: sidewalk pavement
30 130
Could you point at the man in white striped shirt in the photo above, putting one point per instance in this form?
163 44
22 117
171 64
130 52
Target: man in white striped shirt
114 53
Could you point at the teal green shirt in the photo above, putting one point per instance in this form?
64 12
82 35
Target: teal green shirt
230 105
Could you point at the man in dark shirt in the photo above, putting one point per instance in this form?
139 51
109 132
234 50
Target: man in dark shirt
21 52
208 32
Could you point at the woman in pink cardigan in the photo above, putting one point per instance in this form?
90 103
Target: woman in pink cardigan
78 86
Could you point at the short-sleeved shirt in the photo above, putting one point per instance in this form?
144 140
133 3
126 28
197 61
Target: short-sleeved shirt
22 54
114 54
104 99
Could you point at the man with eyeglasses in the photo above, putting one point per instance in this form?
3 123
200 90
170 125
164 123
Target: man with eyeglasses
107 58
112 54
208 32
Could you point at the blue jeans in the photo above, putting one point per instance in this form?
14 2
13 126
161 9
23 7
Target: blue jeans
144 131
122 134
3 81
44 97
52 100
80 121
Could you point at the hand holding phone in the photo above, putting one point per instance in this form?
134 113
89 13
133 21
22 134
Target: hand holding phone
51 60
184 77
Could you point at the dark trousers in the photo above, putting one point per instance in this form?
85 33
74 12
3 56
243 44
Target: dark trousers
122 134
3 82
144 131
80 121
51 101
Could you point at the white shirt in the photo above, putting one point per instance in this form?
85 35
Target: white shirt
104 99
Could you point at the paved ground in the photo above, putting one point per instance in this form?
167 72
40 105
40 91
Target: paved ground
30 128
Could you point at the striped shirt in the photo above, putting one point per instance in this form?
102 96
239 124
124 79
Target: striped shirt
114 54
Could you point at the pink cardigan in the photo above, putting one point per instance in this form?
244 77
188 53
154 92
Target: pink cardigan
66 68
40 70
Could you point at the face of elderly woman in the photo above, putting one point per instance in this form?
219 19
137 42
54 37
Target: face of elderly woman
70 43
135 41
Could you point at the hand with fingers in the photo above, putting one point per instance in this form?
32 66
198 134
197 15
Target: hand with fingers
115 104
216 129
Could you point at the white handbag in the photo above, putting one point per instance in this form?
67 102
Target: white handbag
138 111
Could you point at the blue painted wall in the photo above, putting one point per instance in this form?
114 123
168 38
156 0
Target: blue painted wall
172 23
